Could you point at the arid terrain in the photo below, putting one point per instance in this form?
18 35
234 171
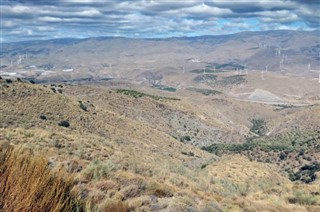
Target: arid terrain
212 123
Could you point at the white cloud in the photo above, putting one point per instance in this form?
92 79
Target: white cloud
278 16
204 10
50 19
45 28
88 13
8 23
152 18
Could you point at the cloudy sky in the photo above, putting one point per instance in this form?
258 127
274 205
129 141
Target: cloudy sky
46 19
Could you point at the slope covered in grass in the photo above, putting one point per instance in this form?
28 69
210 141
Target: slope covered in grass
121 162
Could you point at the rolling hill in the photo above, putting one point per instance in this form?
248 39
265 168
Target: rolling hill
125 146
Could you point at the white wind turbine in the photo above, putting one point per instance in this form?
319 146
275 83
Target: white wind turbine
314 71
309 68
278 52
262 78
112 75
245 69
19 60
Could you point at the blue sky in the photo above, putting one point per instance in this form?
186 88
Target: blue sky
46 19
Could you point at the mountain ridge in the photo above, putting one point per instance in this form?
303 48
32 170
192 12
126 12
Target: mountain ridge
165 38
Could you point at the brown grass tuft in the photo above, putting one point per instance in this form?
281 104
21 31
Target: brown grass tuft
27 184
115 206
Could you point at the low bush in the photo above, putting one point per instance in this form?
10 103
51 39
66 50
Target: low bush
43 117
259 126
306 173
185 138
8 81
64 124
188 153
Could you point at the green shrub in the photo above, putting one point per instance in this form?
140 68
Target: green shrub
200 71
8 81
307 173
232 80
205 78
43 117
185 138
188 153
283 156
258 126
205 92
137 94
64 124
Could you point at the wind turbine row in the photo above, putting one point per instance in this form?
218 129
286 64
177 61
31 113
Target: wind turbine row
309 69
20 59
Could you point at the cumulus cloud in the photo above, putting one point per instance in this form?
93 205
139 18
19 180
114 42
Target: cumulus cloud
32 19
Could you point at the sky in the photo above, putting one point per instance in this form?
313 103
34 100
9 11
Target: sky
50 19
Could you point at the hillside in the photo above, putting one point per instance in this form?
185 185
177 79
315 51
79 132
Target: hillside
130 147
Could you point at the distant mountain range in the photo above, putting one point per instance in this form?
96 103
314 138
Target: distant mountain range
289 52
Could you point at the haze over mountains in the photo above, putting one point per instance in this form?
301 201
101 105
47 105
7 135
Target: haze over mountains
293 53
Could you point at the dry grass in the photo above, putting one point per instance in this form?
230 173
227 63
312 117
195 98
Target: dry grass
127 163
27 184
114 206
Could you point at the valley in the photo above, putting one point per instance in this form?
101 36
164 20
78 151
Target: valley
209 123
